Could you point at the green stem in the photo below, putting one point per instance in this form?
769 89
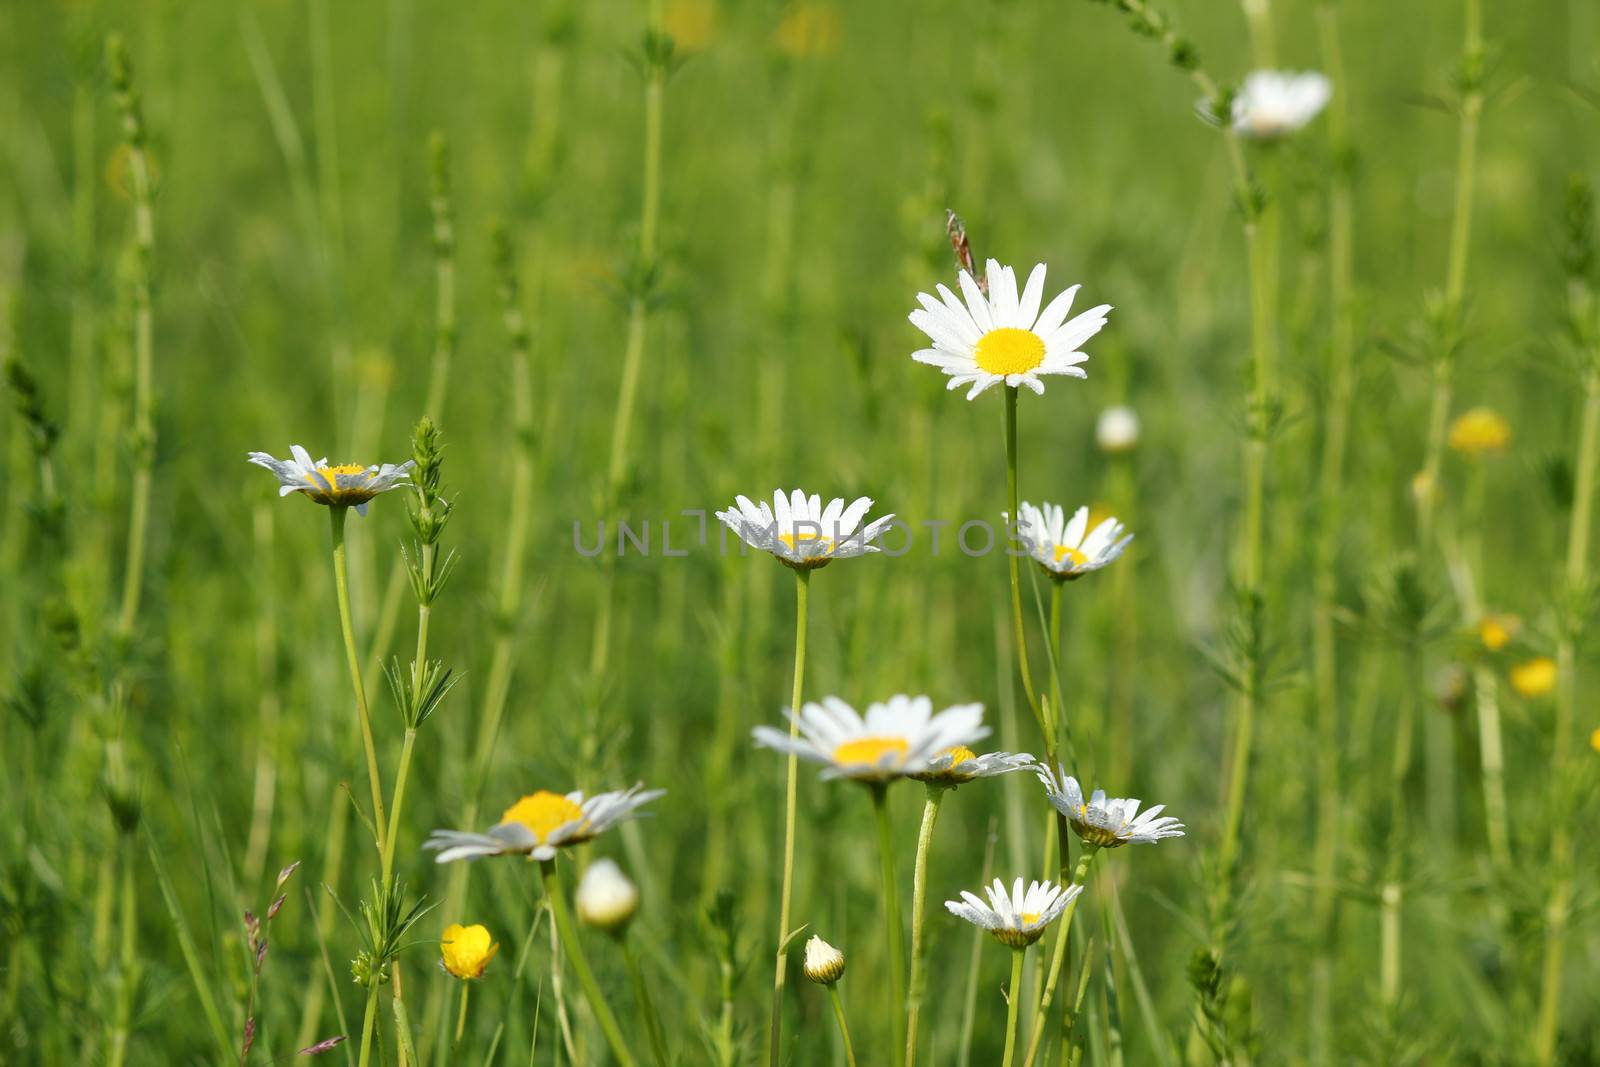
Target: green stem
368 1025
461 1014
1013 998
1058 955
401 776
802 587
647 1009
580 964
341 580
919 900
844 1027
127 978
1019 634
891 917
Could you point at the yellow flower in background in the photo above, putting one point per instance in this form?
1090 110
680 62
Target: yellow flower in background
1479 432
1535 677
465 951
1496 631
691 23
808 30
1594 740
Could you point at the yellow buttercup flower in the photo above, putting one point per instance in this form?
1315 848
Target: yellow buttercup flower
1496 631
1479 432
808 30
1535 677
1594 740
691 23
465 951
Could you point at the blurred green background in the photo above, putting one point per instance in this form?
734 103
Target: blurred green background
808 156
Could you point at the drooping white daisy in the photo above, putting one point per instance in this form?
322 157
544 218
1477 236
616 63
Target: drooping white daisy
1004 337
340 486
1275 103
959 765
803 533
896 739
1068 549
1105 822
1016 918
542 822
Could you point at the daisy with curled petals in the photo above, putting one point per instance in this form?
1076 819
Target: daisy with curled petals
1004 337
543 822
898 738
1017 919
1066 548
803 533
955 766
1105 822
1272 104
343 485
341 488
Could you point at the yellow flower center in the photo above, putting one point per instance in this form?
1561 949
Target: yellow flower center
1009 350
332 473
871 750
543 812
793 539
958 755
1029 918
1072 555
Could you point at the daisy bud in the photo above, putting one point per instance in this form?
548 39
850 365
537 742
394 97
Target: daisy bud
606 898
824 964
1117 430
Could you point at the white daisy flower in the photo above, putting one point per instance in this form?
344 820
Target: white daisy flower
1068 549
1016 918
341 486
1102 821
824 964
801 532
1275 103
959 765
1004 337
541 822
896 739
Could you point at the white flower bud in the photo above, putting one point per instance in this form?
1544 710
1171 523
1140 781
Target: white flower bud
1117 430
606 898
824 963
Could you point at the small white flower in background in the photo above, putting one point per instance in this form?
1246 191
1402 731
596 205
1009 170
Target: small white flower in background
1017 918
1004 337
959 765
1275 103
1069 549
1105 822
824 964
896 739
1117 430
541 822
341 486
606 898
803 533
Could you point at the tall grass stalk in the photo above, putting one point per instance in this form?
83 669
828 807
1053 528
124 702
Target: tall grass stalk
1013 999
142 434
802 588
1558 910
658 64
1331 488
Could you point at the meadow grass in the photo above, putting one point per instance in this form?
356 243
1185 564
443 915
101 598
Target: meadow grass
617 264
